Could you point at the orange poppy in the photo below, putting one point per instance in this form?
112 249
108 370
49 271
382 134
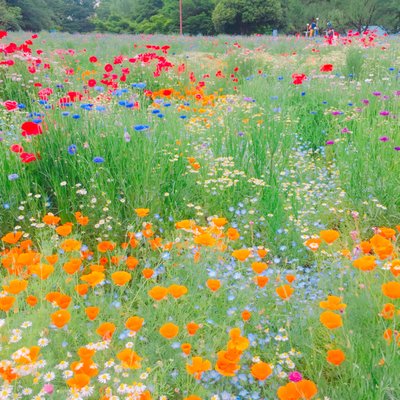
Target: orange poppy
52 259
6 302
50 219
219 221
261 281
86 354
71 245
259 267
335 357
121 278
92 312
381 246
97 268
115 260
64 230
94 278
12 237
333 303
16 286
79 381
134 323
72 266
155 243
331 320
87 367
241 254
284 291
329 236
148 273
129 359
228 362
31 300
177 291
131 262
391 289
63 301
313 243
262 252
193 397
366 263
261 370
80 219
169 330
213 284
232 234
105 246
388 311
246 315
142 212
82 289
186 348
52 297
365 247
395 267
43 271
197 367
387 233
290 278
192 328
106 330
302 390
237 341
60 318
186 224
158 293
205 239
32 356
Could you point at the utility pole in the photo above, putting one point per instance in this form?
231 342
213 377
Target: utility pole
180 18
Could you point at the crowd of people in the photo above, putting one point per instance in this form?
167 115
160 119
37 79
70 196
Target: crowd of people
313 29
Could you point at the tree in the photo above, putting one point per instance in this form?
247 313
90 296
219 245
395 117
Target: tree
74 15
10 17
246 17
35 14
360 14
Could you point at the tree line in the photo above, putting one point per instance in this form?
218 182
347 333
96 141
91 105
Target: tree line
205 17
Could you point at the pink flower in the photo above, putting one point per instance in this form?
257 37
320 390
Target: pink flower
48 388
295 376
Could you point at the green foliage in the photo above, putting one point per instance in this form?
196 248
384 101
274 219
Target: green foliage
241 16
36 15
74 15
10 17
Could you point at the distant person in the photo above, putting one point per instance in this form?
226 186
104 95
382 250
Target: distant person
330 32
316 30
313 27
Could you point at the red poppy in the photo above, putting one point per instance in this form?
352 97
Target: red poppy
16 148
108 68
326 68
30 128
27 157
298 78
10 105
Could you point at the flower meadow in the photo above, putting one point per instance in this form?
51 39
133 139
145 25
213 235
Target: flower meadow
199 217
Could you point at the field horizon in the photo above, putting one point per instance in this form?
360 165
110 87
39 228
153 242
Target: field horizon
199 217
